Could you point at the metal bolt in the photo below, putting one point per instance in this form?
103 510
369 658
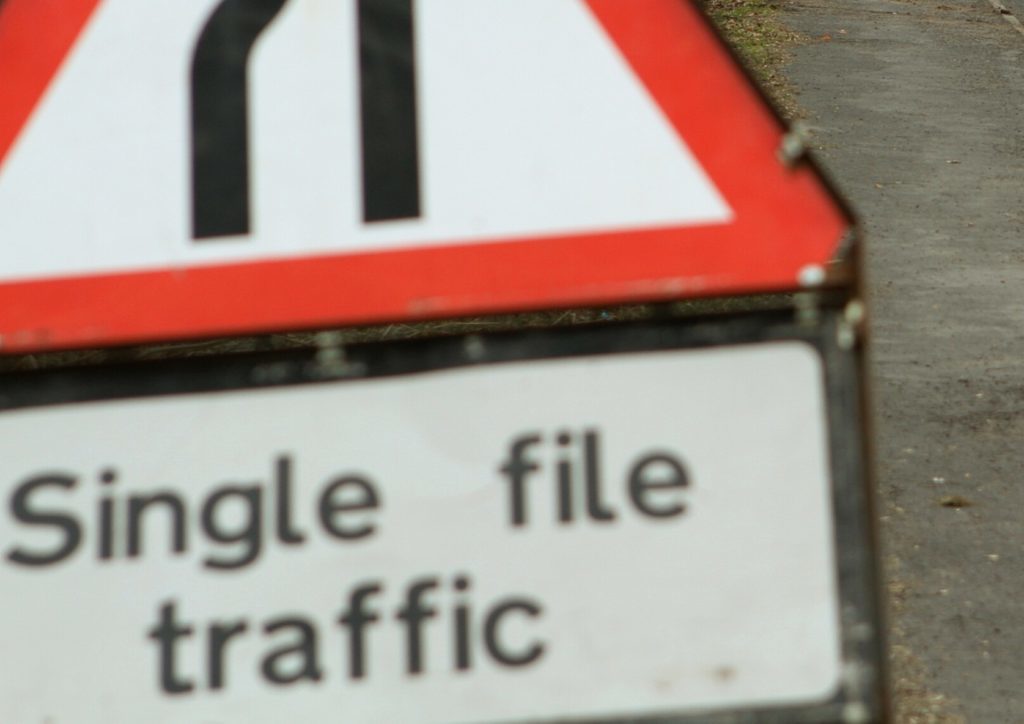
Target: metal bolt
794 145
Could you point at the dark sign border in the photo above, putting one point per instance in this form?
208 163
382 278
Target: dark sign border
861 698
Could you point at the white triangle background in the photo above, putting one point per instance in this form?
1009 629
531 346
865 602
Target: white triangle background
531 123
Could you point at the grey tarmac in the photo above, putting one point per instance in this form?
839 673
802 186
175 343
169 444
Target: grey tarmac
917 110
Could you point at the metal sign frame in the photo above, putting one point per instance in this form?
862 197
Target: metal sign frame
862 693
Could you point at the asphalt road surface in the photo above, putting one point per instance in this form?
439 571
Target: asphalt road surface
918 109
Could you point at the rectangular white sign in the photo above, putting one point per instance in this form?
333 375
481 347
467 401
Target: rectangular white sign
630 534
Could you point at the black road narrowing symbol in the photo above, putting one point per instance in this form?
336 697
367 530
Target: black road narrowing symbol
220 114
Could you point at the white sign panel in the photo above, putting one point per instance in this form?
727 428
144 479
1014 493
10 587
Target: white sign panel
619 535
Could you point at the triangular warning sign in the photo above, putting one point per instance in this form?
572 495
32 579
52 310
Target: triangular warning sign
208 167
